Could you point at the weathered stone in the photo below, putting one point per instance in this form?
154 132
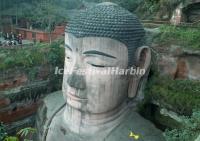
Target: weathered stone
133 122
182 69
198 139
11 128
167 65
31 91
171 114
18 113
178 63
50 105
4 102
13 82
101 106
43 73
177 15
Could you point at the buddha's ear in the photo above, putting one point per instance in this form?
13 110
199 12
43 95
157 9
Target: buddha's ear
143 57
143 61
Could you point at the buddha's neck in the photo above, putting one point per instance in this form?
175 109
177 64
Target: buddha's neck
88 124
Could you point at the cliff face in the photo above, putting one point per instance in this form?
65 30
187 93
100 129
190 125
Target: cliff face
176 10
26 76
173 88
21 92
193 12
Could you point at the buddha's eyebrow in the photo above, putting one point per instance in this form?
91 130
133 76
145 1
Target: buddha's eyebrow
67 46
97 53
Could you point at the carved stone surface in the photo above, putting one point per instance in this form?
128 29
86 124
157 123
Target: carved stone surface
111 21
100 105
132 122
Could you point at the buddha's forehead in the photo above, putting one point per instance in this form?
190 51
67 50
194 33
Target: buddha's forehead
102 44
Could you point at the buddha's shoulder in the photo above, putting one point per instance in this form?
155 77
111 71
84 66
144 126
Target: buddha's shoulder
135 127
49 107
49 116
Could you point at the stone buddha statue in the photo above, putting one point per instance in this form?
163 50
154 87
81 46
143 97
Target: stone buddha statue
99 106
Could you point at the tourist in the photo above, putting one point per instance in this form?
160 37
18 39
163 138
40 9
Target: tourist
20 39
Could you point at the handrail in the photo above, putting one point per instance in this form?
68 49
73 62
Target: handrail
16 46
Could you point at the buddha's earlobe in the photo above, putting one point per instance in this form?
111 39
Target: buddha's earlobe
143 61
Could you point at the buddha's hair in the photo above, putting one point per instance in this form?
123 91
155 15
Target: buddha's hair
109 20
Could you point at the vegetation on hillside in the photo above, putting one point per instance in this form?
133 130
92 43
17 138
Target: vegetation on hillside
25 134
39 54
188 132
39 14
184 36
57 9
159 9
180 96
3 133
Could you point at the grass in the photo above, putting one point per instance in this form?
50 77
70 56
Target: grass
183 36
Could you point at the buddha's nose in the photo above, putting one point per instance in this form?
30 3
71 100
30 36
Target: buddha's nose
76 81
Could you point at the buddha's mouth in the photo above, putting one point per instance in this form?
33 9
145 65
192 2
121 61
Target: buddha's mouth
72 96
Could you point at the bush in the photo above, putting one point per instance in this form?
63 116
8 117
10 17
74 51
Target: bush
26 134
189 131
10 138
56 54
180 96
3 133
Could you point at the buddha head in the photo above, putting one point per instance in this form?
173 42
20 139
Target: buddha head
99 38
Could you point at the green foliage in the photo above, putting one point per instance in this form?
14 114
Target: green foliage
181 96
41 54
56 54
40 14
171 3
22 57
70 4
3 133
26 132
184 36
9 61
131 5
151 5
188 132
11 138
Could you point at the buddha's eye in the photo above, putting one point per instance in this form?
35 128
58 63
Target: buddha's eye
68 58
99 66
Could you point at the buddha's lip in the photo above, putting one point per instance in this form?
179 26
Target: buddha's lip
74 97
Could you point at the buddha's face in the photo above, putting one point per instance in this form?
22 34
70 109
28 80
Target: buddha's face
94 93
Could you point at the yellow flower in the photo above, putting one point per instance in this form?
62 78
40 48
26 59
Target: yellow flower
133 135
